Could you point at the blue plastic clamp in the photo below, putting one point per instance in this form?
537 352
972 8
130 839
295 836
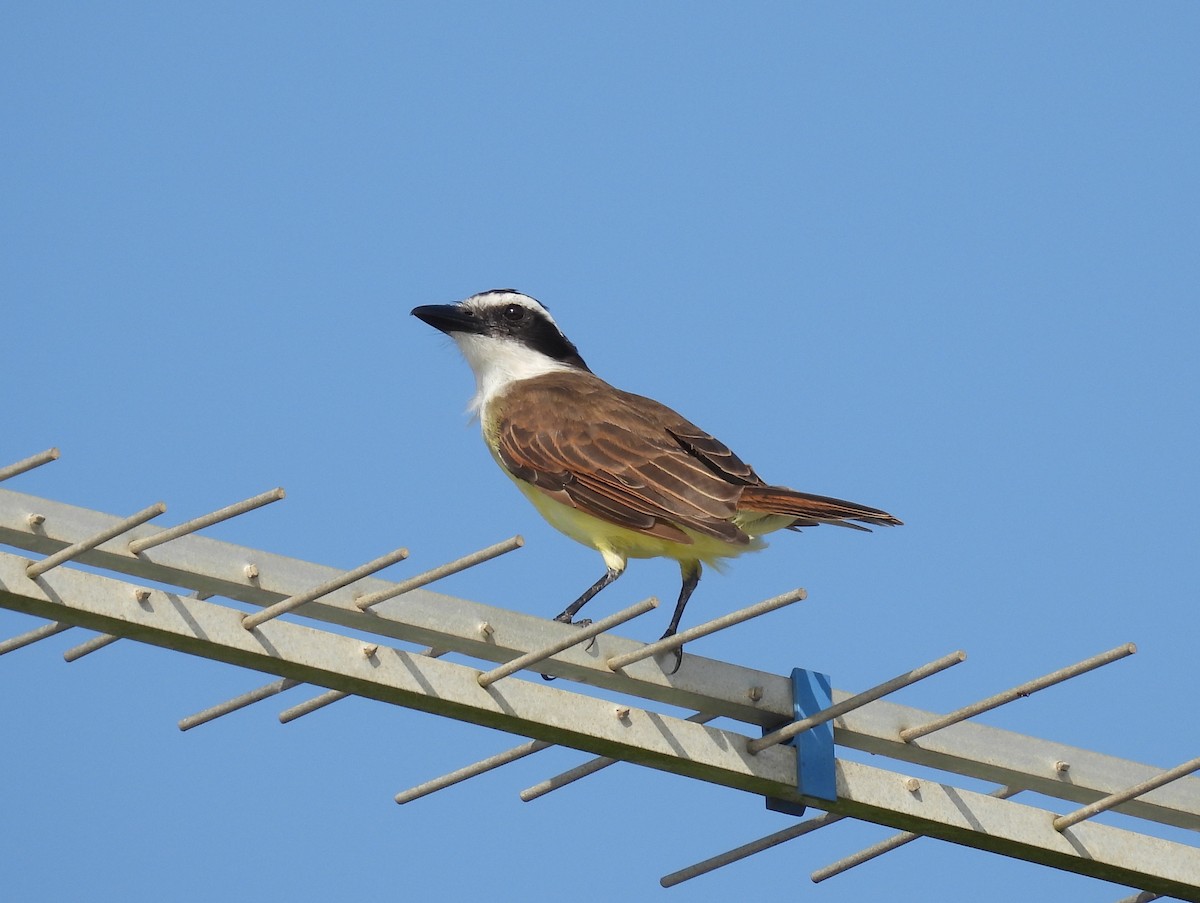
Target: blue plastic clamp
811 692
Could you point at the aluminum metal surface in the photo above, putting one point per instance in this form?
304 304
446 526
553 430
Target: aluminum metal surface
87 543
858 700
1019 692
238 702
20 467
207 520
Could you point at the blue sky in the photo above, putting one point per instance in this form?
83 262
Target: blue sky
939 258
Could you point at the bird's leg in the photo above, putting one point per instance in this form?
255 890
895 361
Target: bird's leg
691 578
571 610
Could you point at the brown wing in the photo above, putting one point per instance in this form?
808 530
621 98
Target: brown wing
620 457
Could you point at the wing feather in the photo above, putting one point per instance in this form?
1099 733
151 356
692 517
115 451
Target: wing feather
618 464
633 462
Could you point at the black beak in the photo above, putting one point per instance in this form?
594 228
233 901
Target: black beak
449 318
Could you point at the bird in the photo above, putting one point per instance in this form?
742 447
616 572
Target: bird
620 473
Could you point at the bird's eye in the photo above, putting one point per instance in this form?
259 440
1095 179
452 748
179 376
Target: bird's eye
514 312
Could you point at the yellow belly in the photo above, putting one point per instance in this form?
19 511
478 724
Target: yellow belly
610 538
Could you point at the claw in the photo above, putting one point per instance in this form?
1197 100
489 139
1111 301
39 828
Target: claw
678 653
592 642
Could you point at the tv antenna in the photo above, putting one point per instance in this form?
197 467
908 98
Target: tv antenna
774 736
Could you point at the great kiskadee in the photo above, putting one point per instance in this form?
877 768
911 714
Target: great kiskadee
618 472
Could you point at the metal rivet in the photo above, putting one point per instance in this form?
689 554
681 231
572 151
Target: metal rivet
912 785
755 694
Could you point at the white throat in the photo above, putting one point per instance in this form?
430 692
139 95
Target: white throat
499 362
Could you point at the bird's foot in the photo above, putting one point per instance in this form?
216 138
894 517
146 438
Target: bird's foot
565 618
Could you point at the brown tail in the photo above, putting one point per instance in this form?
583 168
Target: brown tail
810 510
